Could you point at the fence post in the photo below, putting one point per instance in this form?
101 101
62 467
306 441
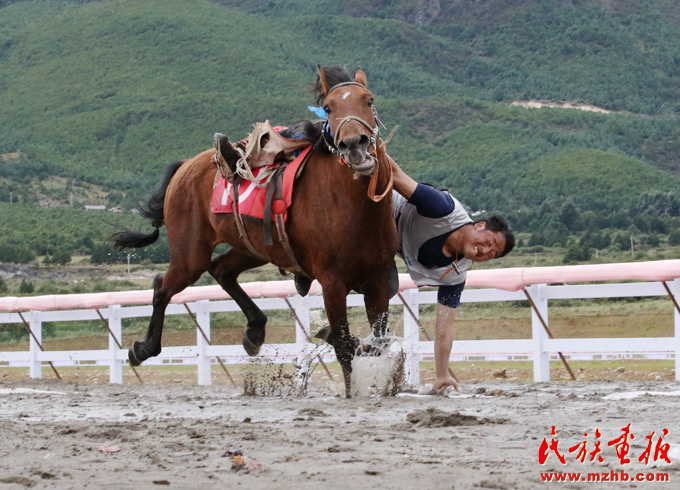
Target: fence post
675 286
115 339
411 338
34 346
203 319
302 333
539 335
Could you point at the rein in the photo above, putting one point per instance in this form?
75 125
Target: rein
374 178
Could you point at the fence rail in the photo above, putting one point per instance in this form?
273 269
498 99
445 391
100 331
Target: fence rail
540 348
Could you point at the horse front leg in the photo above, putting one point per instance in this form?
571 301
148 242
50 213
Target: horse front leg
376 299
344 343
226 269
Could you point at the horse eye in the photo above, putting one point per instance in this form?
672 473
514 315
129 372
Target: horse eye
370 103
327 109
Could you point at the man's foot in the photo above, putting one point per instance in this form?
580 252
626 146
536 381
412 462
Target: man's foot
226 156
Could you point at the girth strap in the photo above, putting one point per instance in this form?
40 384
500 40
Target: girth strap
275 204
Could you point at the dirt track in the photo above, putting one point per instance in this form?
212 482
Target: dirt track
64 435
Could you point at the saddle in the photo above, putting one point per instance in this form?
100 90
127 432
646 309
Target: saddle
260 170
264 147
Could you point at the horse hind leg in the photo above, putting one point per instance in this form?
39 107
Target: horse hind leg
175 280
226 269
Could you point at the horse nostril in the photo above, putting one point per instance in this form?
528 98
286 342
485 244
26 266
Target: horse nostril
342 146
364 140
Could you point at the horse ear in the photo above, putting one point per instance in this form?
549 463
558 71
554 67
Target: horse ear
322 81
360 77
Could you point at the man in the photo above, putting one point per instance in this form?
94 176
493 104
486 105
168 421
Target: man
439 242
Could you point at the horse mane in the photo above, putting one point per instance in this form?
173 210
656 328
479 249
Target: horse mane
334 75
312 130
306 130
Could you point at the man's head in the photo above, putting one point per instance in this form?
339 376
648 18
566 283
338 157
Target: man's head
490 238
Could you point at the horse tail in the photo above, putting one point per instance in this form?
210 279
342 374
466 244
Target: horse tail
153 211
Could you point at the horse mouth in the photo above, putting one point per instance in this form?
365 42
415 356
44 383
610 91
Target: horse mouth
364 168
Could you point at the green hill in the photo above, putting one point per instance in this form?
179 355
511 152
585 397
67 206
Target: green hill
97 97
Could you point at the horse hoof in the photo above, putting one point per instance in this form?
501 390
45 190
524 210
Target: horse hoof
376 347
132 356
323 333
251 347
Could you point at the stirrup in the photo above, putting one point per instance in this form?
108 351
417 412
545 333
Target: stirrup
226 156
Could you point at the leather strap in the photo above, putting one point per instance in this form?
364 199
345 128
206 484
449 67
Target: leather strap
273 187
239 221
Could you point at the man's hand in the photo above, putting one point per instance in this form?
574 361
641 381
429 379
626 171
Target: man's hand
440 384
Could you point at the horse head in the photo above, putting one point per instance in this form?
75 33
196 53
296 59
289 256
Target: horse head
352 127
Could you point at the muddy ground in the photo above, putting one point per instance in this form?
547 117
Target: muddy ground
67 435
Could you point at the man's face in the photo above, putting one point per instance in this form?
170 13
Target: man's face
482 244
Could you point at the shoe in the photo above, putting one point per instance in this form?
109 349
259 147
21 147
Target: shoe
226 156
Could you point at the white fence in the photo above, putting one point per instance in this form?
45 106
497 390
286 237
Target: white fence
539 348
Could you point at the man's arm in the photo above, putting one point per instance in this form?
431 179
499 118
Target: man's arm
443 341
403 184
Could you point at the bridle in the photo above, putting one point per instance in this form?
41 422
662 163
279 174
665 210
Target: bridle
375 130
370 154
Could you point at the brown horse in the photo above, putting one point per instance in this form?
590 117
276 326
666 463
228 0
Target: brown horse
337 234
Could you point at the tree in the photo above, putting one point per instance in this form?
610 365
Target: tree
61 256
577 253
570 216
16 254
674 237
26 287
3 286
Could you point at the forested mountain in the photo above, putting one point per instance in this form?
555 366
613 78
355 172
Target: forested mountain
97 97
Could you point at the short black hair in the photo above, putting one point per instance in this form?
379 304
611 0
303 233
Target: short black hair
498 223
